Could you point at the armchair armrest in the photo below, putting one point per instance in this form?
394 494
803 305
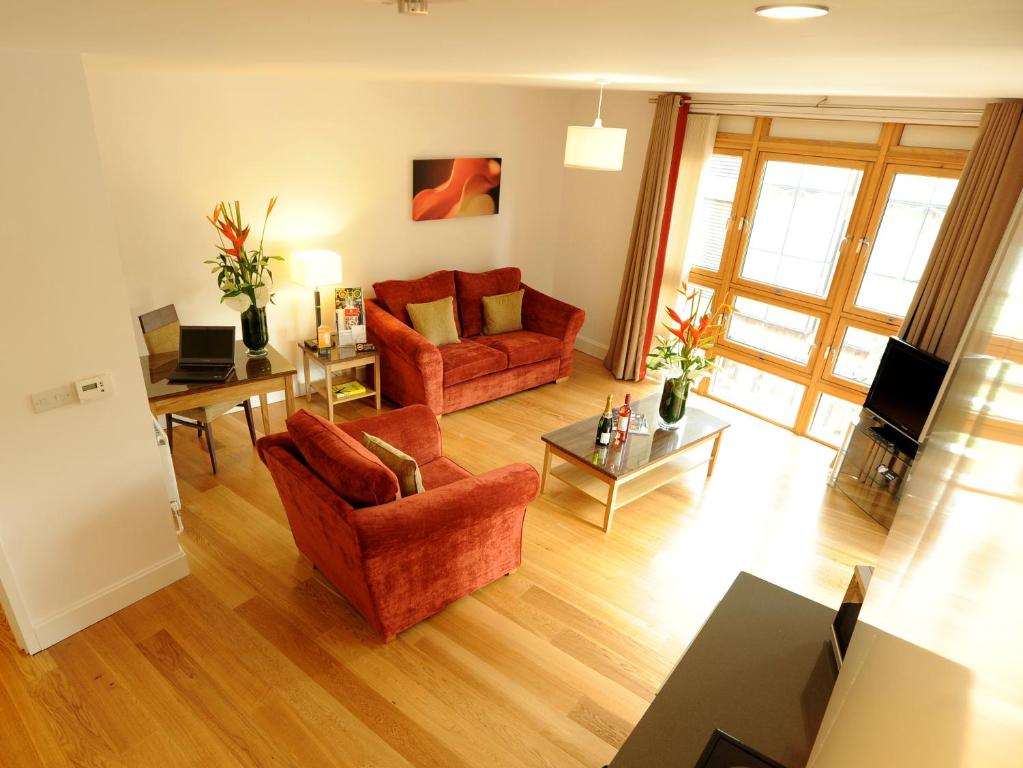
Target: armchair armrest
413 429
446 509
412 369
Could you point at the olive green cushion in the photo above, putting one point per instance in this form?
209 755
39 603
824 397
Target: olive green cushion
405 468
435 320
502 313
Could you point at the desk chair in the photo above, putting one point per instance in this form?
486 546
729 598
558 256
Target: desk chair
160 332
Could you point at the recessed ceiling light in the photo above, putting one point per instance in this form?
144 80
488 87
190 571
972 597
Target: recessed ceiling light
792 11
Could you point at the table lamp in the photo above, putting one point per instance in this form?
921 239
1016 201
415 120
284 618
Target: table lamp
314 269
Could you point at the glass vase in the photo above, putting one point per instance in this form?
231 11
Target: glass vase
254 331
674 394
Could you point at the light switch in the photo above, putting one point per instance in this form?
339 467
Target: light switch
93 388
54 398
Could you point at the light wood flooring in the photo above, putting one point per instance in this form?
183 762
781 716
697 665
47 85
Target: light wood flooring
254 661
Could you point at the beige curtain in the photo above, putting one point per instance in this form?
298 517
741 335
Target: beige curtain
683 238
970 234
625 356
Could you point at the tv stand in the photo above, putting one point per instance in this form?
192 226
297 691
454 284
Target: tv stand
873 465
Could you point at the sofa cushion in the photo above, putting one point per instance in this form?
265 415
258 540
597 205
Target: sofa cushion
523 347
404 467
440 472
393 295
473 286
435 320
502 313
469 360
352 472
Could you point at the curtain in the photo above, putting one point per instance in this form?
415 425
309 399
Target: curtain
645 256
701 132
973 227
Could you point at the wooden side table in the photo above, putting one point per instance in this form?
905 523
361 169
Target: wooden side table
334 362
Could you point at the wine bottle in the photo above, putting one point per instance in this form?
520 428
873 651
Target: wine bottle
624 417
605 426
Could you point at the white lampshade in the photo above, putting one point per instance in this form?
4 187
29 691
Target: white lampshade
594 147
315 268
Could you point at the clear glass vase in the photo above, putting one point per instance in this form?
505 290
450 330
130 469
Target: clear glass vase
674 394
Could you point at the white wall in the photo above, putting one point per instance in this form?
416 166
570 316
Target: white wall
84 520
597 208
338 152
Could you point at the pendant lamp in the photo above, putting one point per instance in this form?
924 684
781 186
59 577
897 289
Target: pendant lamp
595 147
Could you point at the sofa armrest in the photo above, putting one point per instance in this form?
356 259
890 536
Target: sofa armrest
412 370
413 429
544 314
450 508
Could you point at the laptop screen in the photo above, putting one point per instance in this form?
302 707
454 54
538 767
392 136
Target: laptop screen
206 344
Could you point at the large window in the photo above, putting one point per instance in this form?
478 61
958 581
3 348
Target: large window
800 220
819 246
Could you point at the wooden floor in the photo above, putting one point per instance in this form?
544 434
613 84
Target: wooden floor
254 660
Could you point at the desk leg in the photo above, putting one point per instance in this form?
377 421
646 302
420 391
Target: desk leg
546 466
376 381
308 387
289 394
264 412
612 503
714 454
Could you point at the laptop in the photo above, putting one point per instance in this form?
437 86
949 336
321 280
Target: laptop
205 353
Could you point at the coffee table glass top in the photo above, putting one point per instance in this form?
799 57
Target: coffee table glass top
638 451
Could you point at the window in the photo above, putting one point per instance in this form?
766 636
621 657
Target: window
859 355
909 225
772 329
831 418
831 237
713 211
758 391
801 216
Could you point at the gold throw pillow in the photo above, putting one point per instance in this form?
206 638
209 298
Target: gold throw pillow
435 320
502 313
405 468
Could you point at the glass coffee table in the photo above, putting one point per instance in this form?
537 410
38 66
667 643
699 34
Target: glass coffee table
618 474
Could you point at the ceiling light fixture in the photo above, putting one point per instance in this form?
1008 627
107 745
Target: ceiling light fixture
414 7
594 147
792 11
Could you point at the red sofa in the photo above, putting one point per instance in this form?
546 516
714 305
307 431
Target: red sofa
479 368
396 560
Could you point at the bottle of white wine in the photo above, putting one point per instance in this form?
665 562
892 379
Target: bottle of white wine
605 426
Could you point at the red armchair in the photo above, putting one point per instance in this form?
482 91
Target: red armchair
479 368
402 559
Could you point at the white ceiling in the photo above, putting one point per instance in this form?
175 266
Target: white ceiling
932 48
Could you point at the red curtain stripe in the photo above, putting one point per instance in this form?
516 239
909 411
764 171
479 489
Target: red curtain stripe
662 244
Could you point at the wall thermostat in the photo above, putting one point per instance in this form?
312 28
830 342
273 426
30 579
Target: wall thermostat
93 388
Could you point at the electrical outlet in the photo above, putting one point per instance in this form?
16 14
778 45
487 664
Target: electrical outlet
54 398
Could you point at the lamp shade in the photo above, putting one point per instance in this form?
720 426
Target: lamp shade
315 268
594 147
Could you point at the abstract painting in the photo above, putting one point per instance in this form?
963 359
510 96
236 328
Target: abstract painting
464 186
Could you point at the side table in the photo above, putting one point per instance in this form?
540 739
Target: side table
334 362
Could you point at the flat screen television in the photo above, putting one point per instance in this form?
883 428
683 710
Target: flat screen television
905 387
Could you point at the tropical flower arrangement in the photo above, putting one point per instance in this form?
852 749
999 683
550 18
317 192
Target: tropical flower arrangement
683 356
243 275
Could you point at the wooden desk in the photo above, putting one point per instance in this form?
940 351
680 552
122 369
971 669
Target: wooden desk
761 669
252 376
